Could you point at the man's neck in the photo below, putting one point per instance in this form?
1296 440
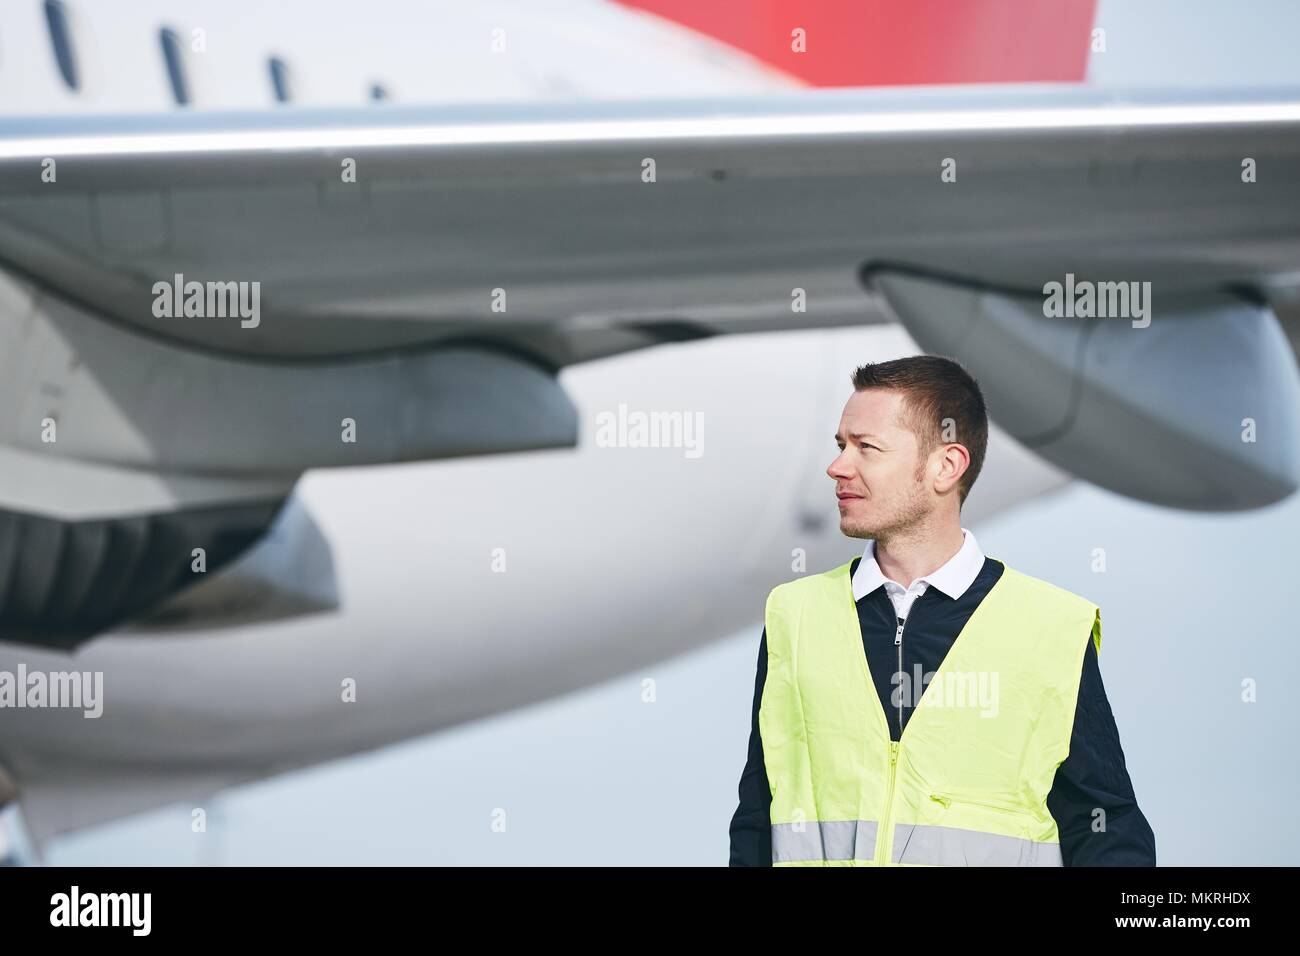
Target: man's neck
908 555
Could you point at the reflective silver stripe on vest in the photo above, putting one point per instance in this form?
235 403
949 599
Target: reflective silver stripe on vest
823 840
951 846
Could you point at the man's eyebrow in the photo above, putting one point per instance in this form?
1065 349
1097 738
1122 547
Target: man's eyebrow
858 435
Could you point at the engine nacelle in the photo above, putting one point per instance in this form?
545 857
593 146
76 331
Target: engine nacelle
1196 406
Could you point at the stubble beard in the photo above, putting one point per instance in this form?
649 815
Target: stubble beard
911 513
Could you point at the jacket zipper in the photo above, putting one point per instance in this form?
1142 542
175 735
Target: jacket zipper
898 642
886 842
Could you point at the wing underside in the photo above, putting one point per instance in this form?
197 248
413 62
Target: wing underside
573 231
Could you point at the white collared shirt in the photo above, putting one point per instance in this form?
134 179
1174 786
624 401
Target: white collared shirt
952 578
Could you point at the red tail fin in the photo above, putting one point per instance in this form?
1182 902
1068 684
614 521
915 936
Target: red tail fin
900 42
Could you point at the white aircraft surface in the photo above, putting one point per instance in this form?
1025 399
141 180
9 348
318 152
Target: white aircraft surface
560 217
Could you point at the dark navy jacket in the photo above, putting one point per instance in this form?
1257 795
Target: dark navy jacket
1092 775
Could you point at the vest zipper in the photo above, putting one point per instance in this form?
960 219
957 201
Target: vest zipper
886 841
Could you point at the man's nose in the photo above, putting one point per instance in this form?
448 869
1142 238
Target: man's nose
838 469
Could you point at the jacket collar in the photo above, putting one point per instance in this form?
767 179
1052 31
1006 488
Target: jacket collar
952 578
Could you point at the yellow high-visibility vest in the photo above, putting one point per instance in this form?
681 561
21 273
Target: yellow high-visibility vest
967 783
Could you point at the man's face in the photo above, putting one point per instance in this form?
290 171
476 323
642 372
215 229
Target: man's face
879 478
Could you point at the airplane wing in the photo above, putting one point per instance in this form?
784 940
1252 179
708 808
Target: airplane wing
423 273
611 226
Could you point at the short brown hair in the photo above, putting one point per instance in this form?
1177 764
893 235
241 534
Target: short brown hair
935 388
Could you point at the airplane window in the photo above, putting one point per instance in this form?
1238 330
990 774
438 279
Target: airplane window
280 79
378 92
56 14
171 47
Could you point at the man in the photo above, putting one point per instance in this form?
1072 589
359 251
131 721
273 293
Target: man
925 704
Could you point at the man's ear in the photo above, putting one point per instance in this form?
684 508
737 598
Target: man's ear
958 458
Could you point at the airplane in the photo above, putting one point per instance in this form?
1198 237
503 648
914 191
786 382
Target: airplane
294 533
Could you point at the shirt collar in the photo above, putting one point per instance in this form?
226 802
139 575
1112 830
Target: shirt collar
953 578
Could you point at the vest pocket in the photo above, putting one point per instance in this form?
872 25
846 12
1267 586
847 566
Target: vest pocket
1003 802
